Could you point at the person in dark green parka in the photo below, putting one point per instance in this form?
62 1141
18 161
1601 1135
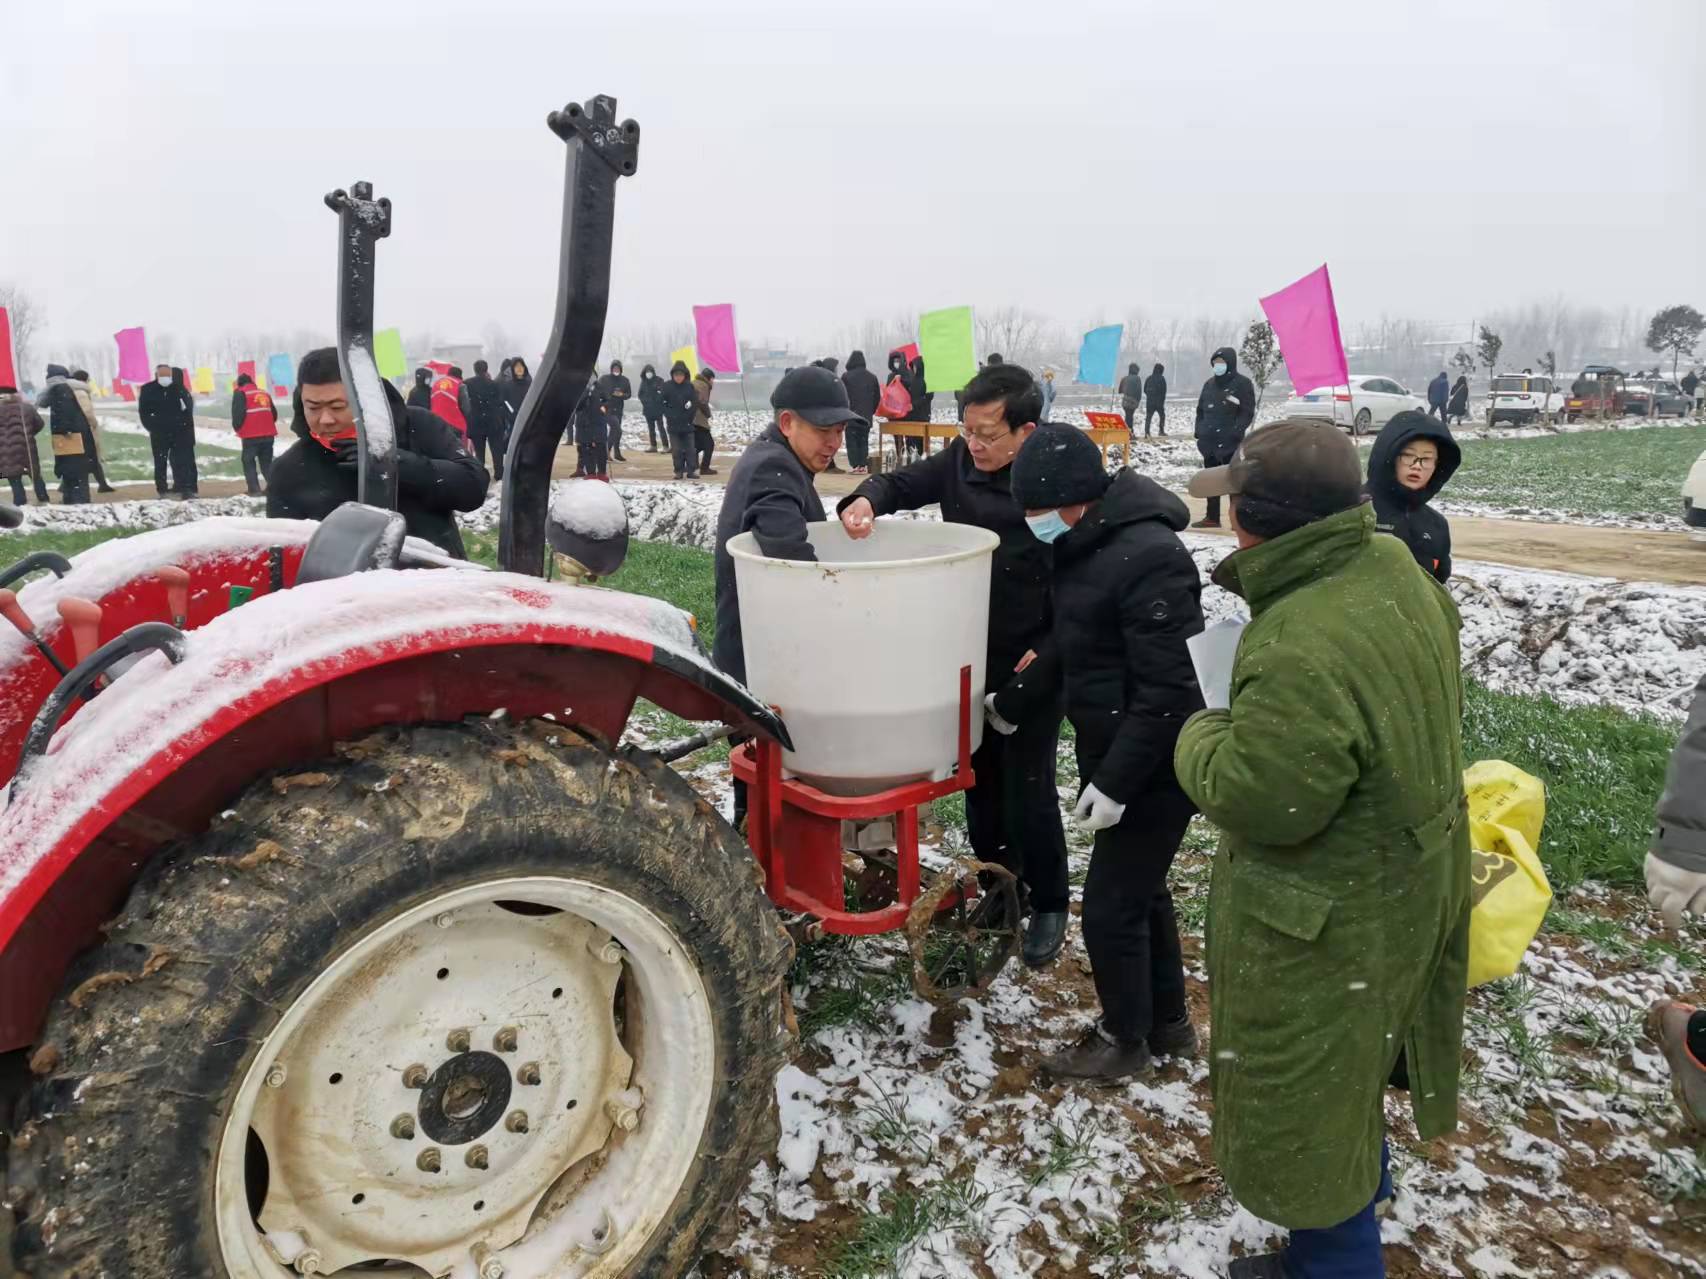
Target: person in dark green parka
1338 919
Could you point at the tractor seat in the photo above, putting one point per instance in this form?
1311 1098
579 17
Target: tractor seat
353 539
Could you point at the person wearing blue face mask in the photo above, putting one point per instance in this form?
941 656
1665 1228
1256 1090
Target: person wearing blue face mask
1127 595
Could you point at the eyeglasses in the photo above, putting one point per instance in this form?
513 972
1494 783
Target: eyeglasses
1418 459
988 441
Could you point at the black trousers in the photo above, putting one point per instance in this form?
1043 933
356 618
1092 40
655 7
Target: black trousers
1437 410
1130 929
479 437
160 444
615 433
18 498
1131 407
1213 459
92 454
1155 411
657 434
685 447
594 457
183 460
1013 813
858 445
73 480
257 462
705 445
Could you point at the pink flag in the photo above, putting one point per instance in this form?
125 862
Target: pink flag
1307 327
910 351
714 337
8 374
133 355
248 366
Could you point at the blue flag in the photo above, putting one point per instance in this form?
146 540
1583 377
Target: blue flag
1099 357
280 371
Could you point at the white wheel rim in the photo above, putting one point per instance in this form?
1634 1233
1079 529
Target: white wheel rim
576 1192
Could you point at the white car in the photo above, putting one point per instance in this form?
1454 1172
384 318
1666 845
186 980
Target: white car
1694 499
1523 398
1367 404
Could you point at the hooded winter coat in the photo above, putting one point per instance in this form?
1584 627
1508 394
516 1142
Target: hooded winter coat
1405 513
1155 388
66 415
863 389
651 392
1439 389
1459 404
1225 408
165 408
19 426
1127 596
922 398
702 400
487 411
592 416
516 388
420 394
1338 915
1681 836
436 476
617 390
1131 385
770 494
679 399
1020 598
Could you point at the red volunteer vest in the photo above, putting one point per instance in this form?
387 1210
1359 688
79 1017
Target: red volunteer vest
260 419
446 402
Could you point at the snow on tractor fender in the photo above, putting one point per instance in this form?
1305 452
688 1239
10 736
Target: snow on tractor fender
279 681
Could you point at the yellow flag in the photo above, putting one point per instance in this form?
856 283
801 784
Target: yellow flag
688 356
203 381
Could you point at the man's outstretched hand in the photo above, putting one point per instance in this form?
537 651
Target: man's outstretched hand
857 517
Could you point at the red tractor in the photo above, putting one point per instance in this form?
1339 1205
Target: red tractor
337 932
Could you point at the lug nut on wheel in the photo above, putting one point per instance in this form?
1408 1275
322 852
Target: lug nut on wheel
505 1040
476 1157
517 1121
415 1076
275 1076
610 953
457 1041
403 1127
428 1160
488 1266
307 1262
443 921
622 1115
529 1074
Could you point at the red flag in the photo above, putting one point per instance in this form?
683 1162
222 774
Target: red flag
248 366
440 367
124 390
910 351
8 371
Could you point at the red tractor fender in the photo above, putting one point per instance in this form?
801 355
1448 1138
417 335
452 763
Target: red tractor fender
162 750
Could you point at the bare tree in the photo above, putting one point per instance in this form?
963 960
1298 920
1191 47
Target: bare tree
27 317
1012 332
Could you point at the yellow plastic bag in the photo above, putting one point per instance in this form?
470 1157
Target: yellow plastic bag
1508 889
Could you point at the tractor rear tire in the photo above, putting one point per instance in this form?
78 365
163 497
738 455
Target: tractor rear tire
123 1148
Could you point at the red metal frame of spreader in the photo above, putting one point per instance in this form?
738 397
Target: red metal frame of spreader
795 832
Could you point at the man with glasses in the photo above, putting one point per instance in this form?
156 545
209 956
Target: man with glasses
1013 813
436 476
1407 467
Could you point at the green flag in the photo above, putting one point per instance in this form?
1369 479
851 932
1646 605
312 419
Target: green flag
945 342
388 353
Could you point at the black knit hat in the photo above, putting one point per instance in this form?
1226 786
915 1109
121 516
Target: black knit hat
1058 466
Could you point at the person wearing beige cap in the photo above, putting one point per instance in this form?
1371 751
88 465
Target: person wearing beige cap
1338 919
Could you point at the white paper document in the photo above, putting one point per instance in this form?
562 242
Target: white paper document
1212 653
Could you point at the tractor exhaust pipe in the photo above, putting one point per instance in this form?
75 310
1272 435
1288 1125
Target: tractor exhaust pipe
600 151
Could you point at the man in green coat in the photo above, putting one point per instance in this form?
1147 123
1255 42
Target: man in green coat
1338 920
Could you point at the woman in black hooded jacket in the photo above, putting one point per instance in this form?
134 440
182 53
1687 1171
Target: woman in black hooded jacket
1408 466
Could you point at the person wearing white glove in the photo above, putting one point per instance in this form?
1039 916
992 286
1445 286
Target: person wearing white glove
1676 885
1013 813
1127 596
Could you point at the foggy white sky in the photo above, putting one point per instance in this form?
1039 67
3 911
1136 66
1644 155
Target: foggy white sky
816 163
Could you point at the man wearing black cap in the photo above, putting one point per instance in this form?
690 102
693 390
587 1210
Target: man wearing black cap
770 494
1013 813
1126 598
1338 917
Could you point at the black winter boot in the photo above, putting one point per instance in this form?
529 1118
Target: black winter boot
1098 1058
1174 1039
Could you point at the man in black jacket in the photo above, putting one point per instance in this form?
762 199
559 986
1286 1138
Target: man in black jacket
420 394
66 426
1407 467
1225 408
1127 596
488 418
1131 394
435 475
1013 813
651 404
863 394
679 401
1155 400
616 390
168 414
